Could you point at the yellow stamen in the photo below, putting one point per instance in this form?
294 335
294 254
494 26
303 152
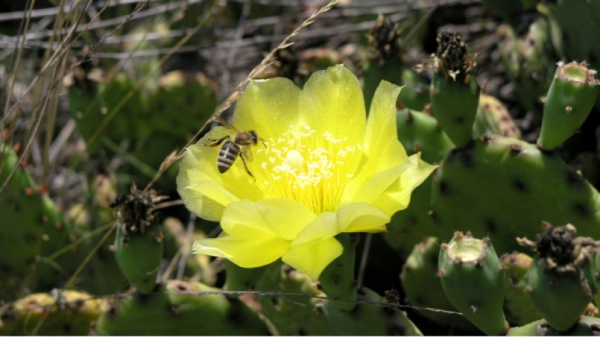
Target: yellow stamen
309 168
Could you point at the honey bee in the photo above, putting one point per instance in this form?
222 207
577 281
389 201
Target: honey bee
239 147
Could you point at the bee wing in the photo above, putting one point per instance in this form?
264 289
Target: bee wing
226 123
247 153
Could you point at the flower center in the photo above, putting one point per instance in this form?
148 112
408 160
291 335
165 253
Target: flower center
310 168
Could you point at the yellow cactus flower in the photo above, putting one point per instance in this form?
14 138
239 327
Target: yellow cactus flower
324 169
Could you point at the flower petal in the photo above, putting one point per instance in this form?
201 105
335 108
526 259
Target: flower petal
382 131
285 217
381 150
332 102
390 190
244 253
323 227
313 258
267 106
280 217
204 190
362 217
243 220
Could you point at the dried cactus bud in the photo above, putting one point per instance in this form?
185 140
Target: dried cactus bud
385 44
561 277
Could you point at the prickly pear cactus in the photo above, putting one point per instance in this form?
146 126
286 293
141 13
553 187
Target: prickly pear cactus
37 230
473 280
181 102
586 326
337 279
179 308
518 306
568 103
384 60
454 90
529 61
61 312
510 187
418 132
423 287
493 118
288 314
375 315
139 239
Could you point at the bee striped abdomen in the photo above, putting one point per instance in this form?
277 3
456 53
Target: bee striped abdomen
227 156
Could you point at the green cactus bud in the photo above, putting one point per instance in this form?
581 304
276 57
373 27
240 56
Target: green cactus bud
454 90
473 280
337 279
561 277
368 318
586 326
518 306
139 239
569 101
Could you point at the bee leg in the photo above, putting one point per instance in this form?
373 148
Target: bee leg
217 142
246 167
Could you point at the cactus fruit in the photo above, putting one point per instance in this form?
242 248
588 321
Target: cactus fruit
62 312
418 132
139 239
454 90
494 119
561 278
473 279
518 306
289 314
586 326
509 187
337 279
569 101
373 316
424 289
179 308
